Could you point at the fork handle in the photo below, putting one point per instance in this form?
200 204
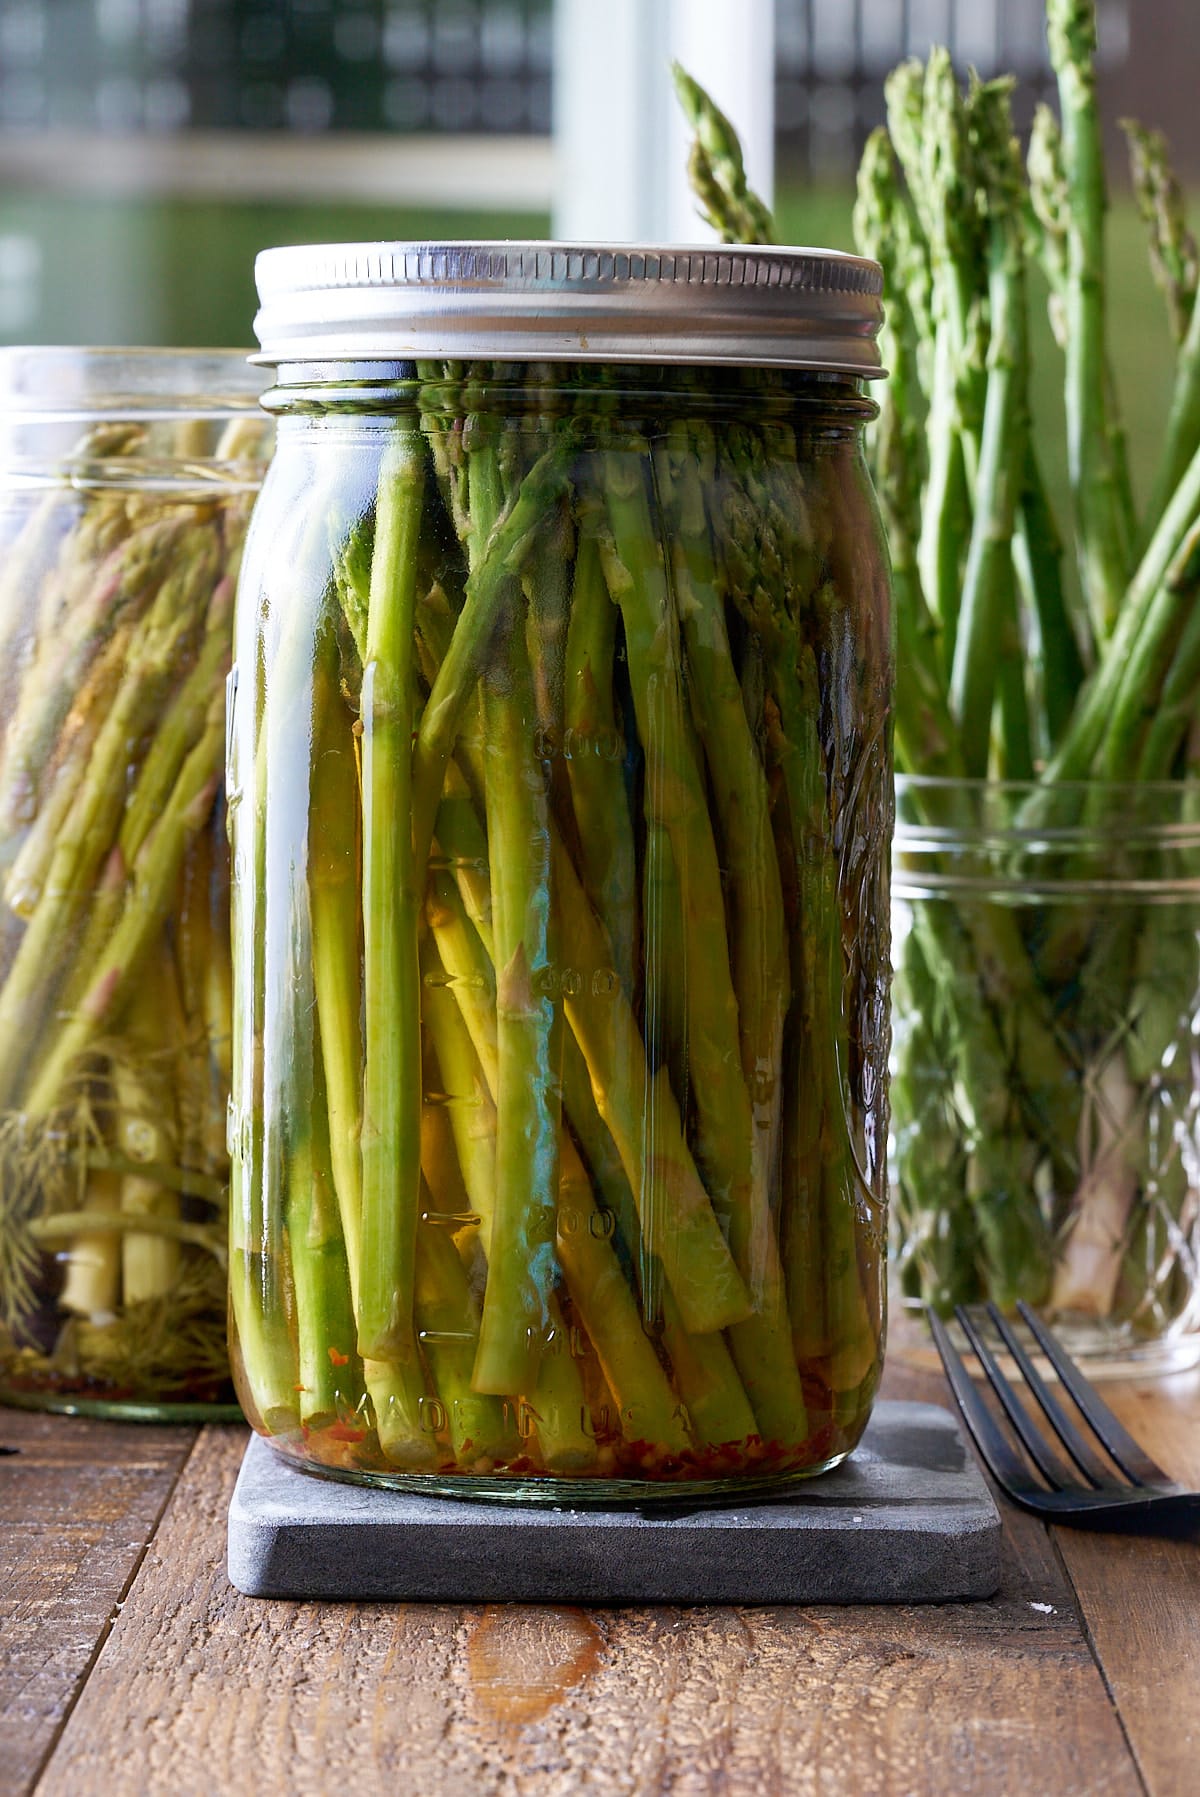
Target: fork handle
1174 1516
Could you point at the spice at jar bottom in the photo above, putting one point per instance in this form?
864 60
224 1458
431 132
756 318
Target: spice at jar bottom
561 805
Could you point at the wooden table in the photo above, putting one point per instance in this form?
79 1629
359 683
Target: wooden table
129 1665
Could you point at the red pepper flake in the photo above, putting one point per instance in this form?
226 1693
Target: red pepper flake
344 1432
339 1359
822 1442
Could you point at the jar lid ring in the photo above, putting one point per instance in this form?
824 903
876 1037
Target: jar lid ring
814 309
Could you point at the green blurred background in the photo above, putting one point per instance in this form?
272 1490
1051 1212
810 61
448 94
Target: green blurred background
140 263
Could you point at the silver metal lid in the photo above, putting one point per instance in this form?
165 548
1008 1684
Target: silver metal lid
556 302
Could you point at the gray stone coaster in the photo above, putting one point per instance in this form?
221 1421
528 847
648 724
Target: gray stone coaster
908 1519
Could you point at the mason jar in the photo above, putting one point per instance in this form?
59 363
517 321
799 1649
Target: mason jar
561 806
1046 1080
126 479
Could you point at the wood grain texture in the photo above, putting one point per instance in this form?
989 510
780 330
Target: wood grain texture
199 1690
1139 1599
78 1503
1145 1621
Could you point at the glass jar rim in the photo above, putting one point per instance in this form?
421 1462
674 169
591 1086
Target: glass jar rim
938 809
1047 842
78 383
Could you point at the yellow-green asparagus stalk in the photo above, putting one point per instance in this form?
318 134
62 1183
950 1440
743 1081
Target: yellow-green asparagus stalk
390 1128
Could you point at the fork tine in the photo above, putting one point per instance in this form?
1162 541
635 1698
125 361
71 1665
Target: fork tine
1003 1462
1088 1463
1054 1470
1128 1454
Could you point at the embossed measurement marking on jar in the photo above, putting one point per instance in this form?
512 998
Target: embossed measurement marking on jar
454 982
576 745
569 982
596 1220
471 864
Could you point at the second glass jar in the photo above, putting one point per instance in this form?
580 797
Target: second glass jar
560 787
126 481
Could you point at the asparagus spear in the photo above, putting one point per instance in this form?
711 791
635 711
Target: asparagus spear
1174 262
481 1429
928 128
716 170
166 550
334 886
460 1015
988 592
1150 617
926 737
500 556
1173 259
595 754
330 1374
521 1253
740 799
390 1128
1105 551
67 767
718 1411
1168 730
146 1132
261 1342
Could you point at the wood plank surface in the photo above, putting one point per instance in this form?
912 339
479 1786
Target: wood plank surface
1139 1599
1145 1624
199 1690
78 1502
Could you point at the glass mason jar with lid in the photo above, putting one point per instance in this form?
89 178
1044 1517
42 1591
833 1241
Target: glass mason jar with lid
126 480
561 807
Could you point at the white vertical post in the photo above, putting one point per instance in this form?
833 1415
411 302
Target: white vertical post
729 47
620 139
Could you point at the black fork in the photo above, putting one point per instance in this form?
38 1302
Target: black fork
1112 1484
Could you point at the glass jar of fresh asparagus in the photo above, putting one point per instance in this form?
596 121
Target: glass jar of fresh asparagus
126 480
561 800
1047 1091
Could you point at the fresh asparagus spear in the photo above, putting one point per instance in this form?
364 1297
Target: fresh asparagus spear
716 169
1105 549
928 126
1174 261
988 589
